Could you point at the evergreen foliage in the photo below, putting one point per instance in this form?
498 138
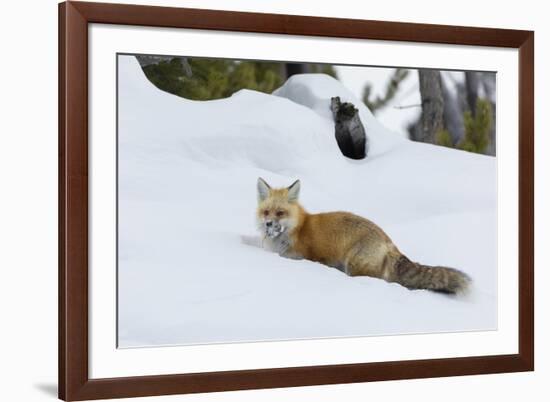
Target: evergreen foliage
443 138
219 78
213 78
477 128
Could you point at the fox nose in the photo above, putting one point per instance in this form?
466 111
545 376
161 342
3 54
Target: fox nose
268 223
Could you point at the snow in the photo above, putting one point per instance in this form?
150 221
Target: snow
187 271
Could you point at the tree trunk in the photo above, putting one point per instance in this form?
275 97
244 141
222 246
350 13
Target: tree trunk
472 88
453 116
431 120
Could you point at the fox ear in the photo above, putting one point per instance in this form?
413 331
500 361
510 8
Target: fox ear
294 191
263 189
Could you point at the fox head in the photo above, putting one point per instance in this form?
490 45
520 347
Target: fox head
278 209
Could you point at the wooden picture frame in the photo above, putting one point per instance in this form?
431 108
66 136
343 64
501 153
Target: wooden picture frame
74 381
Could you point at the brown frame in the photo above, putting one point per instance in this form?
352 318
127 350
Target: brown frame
74 383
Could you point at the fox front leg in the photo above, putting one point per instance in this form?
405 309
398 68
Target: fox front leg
287 252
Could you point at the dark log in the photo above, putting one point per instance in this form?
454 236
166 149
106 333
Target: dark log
349 131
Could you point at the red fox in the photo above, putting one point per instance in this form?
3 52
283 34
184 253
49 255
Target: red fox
342 240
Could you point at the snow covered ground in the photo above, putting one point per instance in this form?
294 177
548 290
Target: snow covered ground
187 196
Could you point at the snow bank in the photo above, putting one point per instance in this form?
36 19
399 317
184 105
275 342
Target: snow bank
187 174
315 91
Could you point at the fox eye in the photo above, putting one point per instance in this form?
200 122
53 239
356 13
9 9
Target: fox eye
280 213
266 212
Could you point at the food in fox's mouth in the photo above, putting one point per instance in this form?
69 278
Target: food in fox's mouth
274 229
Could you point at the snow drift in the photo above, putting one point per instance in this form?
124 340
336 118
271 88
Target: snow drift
187 174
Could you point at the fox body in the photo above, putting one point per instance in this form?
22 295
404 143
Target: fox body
350 243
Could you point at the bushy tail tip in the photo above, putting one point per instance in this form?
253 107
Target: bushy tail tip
438 279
